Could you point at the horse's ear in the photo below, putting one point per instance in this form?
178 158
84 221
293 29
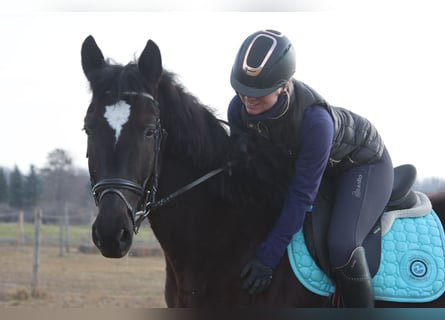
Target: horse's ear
150 62
92 57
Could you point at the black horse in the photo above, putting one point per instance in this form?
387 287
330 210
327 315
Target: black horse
438 200
155 150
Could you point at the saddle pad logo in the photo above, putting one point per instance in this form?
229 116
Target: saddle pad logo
418 268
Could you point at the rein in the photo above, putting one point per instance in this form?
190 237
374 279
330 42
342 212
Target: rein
148 194
141 215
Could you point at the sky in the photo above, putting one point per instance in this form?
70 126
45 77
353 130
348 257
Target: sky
384 61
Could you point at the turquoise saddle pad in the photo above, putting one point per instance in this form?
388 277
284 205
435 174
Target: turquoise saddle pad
412 266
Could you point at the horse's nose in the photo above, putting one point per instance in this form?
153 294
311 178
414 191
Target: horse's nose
115 246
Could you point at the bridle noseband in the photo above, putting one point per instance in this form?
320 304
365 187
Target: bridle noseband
113 185
148 190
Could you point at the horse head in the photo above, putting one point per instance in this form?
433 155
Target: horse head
123 128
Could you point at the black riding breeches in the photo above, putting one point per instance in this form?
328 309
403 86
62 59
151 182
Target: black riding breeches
360 196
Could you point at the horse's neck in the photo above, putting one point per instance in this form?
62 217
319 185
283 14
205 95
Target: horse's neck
200 214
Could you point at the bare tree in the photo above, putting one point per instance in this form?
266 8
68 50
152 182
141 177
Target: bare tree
57 176
64 185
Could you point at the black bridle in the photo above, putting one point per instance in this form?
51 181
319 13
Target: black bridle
147 191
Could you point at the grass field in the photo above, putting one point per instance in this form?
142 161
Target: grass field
77 279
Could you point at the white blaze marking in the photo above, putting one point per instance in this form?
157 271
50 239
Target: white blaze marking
117 115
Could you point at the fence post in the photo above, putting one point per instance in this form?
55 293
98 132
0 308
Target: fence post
36 255
61 253
20 230
67 230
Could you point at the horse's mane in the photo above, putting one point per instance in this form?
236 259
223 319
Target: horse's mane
259 171
194 133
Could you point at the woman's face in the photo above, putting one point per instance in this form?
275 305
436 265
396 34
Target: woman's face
259 105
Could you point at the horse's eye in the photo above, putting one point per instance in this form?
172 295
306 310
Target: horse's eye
149 132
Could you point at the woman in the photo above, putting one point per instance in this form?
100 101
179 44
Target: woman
323 140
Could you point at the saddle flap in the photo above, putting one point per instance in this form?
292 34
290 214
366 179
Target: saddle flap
316 225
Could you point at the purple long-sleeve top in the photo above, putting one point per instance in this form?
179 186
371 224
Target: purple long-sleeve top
315 140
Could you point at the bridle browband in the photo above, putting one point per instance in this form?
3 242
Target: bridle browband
148 190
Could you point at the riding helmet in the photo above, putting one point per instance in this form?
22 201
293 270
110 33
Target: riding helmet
264 62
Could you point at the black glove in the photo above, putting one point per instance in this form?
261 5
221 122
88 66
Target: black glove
257 276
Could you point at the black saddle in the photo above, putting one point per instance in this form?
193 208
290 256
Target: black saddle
316 223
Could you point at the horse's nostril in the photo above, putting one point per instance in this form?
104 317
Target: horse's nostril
125 237
95 236
125 240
